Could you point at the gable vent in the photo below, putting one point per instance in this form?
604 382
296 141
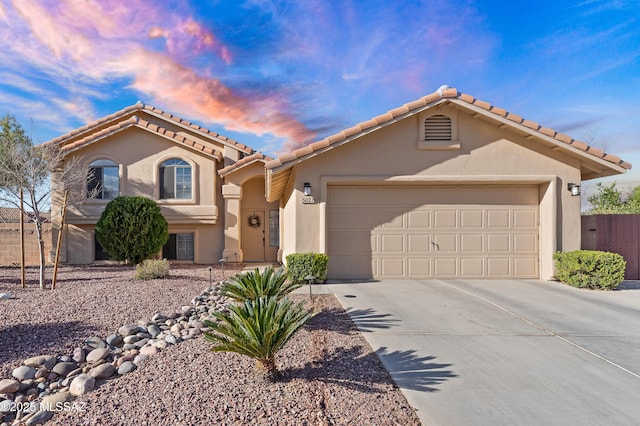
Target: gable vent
437 128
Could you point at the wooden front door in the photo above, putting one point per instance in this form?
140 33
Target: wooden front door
253 235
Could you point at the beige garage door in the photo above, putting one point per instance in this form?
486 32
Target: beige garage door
432 232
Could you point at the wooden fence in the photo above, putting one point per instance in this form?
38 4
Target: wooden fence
616 233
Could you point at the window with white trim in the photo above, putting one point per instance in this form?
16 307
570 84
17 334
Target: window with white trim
175 180
103 182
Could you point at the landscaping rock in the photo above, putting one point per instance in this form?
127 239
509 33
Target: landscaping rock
114 340
49 402
46 361
103 371
126 367
153 330
97 354
64 368
39 418
5 296
127 330
24 372
82 384
79 355
9 386
149 350
95 342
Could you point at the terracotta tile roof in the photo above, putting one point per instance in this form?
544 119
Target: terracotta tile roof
442 94
139 106
12 215
245 161
144 124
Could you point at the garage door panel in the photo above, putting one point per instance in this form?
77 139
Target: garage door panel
423 232
498 266
445 243
524 266
445 218
392 267
525 243
498 218
471 219
445 267
471 243
418 267
418 243
498 243
472 267
524 219
392 243
419 219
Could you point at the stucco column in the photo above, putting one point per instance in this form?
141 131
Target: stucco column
232 195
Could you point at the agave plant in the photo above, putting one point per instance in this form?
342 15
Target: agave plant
253 284
259 329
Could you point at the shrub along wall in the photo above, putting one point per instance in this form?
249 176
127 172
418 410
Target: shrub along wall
10 244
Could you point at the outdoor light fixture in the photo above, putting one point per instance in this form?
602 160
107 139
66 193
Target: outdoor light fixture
306 190
574 189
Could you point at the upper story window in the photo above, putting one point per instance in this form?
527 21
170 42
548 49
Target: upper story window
175 179
104 180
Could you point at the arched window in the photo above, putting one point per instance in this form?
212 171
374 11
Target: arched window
437 128
104 180
175 179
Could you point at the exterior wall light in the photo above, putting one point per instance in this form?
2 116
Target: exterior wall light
306 190
574 189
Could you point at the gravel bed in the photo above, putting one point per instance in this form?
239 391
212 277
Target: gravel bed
330 375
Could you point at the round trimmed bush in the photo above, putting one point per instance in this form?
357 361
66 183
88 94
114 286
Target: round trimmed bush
132 229
590 269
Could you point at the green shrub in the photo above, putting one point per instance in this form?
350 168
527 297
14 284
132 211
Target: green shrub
132 229
300 265
590 269
253 284
258 329
151 269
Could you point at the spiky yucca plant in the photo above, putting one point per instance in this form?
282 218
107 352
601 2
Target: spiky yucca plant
253 284
258 329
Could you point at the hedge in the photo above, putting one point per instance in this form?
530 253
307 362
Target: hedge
590 269
300 265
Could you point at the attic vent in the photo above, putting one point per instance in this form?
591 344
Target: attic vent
437 128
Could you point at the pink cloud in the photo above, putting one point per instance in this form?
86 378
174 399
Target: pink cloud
207 99
89 42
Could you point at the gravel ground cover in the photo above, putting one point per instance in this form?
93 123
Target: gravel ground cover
330 375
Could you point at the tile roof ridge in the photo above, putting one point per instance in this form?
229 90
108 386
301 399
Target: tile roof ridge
442 93
536 127
257 156
138 105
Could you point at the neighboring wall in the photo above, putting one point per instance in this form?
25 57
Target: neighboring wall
10 247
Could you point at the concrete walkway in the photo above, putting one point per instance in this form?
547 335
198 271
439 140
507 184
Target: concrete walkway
505 352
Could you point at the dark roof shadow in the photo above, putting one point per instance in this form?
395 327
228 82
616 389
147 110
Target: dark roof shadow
368 320
336 365
412 372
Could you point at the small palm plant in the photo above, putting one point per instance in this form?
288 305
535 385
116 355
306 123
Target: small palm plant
253 284
259 329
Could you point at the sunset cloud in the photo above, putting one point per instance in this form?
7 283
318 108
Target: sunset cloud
92 42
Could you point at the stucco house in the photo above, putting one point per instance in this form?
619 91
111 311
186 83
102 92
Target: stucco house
445 186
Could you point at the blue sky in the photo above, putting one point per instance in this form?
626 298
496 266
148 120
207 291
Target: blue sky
277 74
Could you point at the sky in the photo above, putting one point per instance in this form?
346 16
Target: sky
276 75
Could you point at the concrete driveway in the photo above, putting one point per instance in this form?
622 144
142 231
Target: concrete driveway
505 352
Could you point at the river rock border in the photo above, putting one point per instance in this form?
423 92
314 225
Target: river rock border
45 384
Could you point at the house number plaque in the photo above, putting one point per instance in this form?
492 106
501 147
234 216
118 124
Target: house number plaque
308 199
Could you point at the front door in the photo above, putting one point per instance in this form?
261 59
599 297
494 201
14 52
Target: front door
253 235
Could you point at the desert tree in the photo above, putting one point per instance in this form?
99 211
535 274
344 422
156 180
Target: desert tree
42 172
